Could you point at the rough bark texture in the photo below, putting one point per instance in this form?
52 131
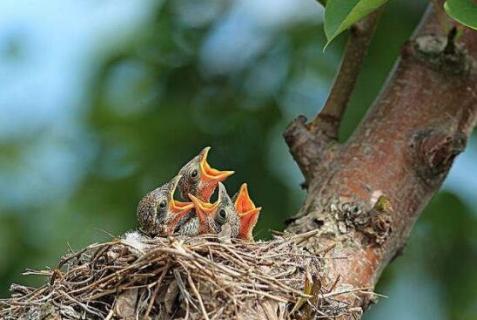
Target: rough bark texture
403 150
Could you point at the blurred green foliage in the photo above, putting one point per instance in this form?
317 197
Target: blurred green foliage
167 92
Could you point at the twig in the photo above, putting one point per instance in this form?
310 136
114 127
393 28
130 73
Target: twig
312 143
337 293
156 289
329 118
197 294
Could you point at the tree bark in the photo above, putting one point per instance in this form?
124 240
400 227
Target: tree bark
402 150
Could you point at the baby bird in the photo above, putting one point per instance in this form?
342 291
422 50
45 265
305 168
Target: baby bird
199 178
212 217
247 212
158 213
238 216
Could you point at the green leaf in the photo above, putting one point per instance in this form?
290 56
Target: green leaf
342 14
463 11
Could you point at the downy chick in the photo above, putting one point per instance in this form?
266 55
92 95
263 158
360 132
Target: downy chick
199 178
159 213
211 218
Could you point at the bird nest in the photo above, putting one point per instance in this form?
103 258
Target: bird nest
191 278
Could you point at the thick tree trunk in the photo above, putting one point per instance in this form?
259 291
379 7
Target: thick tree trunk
402 150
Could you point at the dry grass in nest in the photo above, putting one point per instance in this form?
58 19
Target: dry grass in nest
189 278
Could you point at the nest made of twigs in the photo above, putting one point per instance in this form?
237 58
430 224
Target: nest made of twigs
168 278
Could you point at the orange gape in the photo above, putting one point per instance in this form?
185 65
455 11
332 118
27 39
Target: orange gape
179 210
209 177
159 213
199 178
247 213
205 212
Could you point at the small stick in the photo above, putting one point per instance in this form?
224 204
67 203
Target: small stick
194 289
156 289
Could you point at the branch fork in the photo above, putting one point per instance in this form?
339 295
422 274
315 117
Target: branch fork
403 148
310 143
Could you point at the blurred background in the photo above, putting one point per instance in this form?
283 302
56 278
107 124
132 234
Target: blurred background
101 101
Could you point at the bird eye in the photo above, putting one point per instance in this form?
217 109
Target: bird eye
162 204
221 217
194 173
222 213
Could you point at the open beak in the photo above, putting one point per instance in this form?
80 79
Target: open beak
178 207
243 203
247 212
248 220
209 173
203 209
179 210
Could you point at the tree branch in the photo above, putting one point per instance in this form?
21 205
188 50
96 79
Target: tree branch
401 152
329 118
311 143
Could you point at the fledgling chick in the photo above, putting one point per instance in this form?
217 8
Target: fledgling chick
248 213
159 213
211 218
199 178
